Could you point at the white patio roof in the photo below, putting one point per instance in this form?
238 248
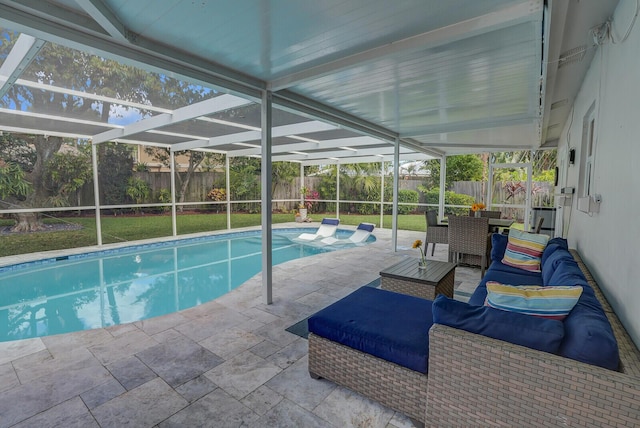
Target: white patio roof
348 76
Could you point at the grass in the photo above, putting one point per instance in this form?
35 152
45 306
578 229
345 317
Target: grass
124 229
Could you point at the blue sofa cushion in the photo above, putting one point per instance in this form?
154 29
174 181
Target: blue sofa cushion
498 246
588 334
551 263
388 325
553 245
533 332
504 274
567 272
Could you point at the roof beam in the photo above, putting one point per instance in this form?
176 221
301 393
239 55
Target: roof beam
368 159
504 17
105 18
320 145
471 125
278 131
23 52
212 105
338 153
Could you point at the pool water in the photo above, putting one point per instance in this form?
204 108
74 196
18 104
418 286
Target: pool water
130 284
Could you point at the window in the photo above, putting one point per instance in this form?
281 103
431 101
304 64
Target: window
588 152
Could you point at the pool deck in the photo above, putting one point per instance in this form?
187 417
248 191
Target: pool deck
226 363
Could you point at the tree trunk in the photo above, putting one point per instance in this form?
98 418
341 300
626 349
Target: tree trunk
27 222
45 147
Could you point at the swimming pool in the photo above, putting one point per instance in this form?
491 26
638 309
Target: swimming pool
124 285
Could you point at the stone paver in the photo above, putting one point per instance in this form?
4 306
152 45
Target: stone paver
229 362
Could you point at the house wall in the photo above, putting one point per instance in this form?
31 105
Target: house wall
609 240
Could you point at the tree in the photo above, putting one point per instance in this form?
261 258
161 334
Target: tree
115 167
83 72
195 159
69 68
459 168
66 174
13 183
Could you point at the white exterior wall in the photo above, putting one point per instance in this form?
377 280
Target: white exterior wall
609 241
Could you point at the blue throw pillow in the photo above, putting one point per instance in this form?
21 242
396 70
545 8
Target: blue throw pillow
533 332
498 246
551 263
567 272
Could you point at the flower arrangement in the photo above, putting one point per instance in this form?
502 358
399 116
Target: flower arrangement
479 206
418 244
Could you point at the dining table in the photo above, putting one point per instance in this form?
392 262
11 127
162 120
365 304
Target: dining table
493 222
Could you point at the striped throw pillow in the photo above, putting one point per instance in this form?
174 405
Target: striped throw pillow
524 250
553 302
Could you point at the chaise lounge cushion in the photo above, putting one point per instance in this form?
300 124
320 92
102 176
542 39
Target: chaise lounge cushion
388 325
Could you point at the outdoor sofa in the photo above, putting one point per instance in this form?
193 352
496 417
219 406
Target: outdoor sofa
484 366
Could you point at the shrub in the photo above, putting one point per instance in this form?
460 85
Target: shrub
450 198
407 196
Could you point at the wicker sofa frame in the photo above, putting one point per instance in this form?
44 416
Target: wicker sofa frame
394 386
478 381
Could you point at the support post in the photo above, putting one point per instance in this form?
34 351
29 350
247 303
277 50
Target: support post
96 193
396 183
228 190
174 223
443 176
267 269
381 194
338 190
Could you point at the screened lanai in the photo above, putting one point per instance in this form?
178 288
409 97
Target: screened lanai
332 82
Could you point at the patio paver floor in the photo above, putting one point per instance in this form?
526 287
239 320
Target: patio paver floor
228 362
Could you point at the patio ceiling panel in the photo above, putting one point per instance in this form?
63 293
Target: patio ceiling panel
488 79
426 71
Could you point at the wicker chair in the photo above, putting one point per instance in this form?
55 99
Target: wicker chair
538 225
469 236
435 234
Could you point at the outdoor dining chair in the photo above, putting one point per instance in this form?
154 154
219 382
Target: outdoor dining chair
469 240
436 234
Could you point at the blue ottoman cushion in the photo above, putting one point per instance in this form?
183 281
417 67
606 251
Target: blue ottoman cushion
388 325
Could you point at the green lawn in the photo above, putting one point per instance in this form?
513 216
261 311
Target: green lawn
123 229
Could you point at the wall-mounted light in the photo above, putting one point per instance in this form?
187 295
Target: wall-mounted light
572 156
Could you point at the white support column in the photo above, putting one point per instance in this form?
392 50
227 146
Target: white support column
338 190
381 194
396 183
174 224
267 269
228 190
443 176
301 183
96 193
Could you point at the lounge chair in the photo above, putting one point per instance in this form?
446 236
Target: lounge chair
327 228
360 235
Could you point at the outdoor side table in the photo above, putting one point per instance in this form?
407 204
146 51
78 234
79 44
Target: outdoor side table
405 277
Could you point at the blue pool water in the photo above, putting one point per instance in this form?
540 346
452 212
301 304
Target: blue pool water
129 284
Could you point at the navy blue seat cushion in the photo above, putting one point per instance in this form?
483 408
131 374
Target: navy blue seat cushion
553 245
525 330
388 325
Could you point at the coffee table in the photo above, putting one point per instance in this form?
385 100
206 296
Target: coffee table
405 277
